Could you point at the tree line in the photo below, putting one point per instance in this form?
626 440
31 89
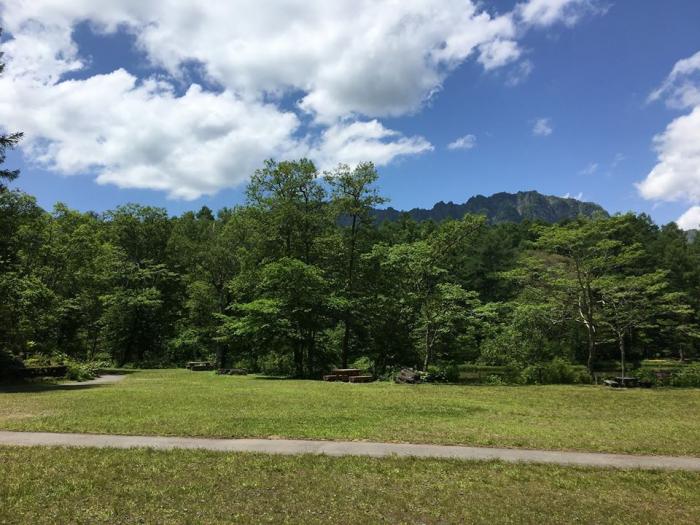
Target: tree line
301 278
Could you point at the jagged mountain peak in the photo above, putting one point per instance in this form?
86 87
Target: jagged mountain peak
502 207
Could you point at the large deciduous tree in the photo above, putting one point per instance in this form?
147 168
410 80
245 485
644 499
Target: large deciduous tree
353 198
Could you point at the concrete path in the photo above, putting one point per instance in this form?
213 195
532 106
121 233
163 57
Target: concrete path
101 380
351 448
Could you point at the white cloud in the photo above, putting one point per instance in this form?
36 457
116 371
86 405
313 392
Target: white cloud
520 73
690 220
676 176
140 135
549 12
590 169
498 53
351 143
542 127
465 142
348 57
619 158
351 61
578 196
681 88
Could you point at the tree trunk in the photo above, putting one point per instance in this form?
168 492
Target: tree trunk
621 341
220 356
93 349
344 350
591 351
351 267
311 354
428 349
299 360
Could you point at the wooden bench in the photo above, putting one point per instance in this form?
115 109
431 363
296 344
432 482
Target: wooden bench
348 375
361 379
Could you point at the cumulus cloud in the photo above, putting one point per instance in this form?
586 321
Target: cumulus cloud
676 176
690 220
465 142
350 61
545 13
141 135
542 127
358 141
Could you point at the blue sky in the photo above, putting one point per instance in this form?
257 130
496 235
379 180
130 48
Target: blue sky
584 69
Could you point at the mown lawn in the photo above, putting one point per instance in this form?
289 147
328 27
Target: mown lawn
183 403
53 485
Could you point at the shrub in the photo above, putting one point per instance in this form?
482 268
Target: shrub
77 371
688 376
494 380
80 371
274 364
363 363
9 363
442 373
651 376
557 371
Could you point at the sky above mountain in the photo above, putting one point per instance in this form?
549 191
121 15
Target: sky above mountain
176 102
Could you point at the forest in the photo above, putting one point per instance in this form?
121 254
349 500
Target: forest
301 278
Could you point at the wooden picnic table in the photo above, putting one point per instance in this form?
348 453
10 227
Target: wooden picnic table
348 375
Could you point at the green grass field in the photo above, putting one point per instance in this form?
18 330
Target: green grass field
182 403
51 485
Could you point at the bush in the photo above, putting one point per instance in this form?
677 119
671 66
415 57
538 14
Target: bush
77 371
651 376
80 371
273 364
442 373
679 375
477 373
363 363
557 371
688 376
494 380
9 363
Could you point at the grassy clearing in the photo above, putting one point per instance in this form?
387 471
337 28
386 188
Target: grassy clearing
178 402
53 485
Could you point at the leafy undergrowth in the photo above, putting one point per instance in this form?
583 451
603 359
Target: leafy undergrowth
183 403
54 485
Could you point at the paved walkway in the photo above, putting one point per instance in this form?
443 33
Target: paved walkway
101 380
352 448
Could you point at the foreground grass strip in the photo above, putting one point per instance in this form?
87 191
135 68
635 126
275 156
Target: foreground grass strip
182 403
57 485
350 448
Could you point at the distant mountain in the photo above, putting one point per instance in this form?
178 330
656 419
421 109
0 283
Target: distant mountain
502 207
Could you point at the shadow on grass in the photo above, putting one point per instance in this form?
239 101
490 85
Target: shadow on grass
46 387
276 378
119 371
38 386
